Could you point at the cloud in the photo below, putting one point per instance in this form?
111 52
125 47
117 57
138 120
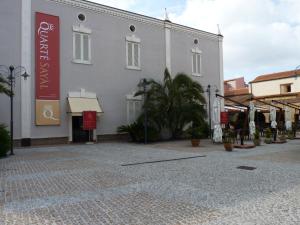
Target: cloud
260 36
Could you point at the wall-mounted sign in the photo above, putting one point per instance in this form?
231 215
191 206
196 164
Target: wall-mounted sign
224 118
47 112
89 120
47 68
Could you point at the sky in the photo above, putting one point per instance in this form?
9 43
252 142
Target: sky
260 36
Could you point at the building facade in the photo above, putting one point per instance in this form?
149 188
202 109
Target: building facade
84 56
281 87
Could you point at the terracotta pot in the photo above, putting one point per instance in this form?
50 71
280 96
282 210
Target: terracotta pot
195 142
228 147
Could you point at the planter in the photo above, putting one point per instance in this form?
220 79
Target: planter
282 140
256 142
228 147
268 140
195 142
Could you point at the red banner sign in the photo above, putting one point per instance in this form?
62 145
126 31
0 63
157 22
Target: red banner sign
224 118
89 120
47 56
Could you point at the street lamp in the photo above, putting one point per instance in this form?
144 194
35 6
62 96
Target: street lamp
143 84
208 90
12 72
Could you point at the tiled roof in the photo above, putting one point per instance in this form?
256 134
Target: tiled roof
225 81
275 76
240 91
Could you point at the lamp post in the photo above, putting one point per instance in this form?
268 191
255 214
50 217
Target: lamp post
12 72
143 84
208 90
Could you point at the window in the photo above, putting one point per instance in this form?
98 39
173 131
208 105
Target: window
81 45
196 62
134 107
133 53
285 88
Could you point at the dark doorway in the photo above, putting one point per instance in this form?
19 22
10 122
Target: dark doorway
79 135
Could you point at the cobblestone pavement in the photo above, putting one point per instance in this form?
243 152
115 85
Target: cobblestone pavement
87 184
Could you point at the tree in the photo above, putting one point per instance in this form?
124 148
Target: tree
174 103
3 86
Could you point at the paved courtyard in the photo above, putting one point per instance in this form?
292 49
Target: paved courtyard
89 184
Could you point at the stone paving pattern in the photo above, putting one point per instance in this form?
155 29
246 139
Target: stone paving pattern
86 184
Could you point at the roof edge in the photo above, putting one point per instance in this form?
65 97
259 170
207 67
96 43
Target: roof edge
93 6
279 78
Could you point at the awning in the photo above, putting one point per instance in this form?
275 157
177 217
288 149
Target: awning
79 105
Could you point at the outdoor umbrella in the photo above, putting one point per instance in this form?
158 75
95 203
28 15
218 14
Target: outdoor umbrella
216 119
252 117
288 118
273 117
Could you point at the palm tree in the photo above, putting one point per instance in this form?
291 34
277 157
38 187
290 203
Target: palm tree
175 103
3 86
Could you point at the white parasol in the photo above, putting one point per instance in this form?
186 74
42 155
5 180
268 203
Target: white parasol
216 119
288 118
252 117
273 117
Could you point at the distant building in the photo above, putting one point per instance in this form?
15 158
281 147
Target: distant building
237 90
277 85
282 86
234 84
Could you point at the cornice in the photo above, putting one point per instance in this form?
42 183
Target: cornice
98 8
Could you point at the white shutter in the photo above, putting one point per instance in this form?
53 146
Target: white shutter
77 46
86 48
198 64
131 111
194 63
138 108
136 55
129 53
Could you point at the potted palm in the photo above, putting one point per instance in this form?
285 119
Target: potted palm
228 139
256 139
268 136
195 134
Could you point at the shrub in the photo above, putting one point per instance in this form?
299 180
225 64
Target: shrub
136 132
195 133
4 140
204 127
228 136
268 137
256 134
174 103
268 133
290 134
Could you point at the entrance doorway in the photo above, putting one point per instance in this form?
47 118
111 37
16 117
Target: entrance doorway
79 135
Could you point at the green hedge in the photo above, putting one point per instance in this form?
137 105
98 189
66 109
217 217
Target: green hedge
4 140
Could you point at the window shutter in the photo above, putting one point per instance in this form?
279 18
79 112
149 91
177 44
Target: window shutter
198 64
194 63
129 53
77 46
136 55
86 48
138 108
